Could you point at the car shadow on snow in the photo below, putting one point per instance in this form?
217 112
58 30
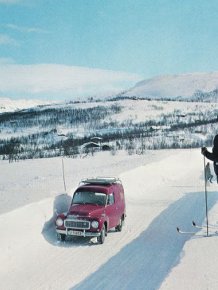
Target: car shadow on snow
147 260
61 205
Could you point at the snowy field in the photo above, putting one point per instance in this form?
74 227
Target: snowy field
164 189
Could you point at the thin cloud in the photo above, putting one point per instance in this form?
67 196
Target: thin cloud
7 40
61 80
24 29
6 60
10 1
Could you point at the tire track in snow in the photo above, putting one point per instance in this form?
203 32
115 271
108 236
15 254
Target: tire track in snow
147 260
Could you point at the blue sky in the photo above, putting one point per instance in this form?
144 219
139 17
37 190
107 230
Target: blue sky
67 48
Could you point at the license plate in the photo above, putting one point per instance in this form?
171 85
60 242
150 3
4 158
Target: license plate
75 233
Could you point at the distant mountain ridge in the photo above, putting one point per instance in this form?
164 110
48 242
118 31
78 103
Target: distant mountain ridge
171 86
190 86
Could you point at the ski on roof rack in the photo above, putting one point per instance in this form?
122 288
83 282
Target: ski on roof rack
101 180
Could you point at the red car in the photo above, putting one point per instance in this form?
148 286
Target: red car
98 205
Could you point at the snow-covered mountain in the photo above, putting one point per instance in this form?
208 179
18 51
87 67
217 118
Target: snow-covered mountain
9 105
184 85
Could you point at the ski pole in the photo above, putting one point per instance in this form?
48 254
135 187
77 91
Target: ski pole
205 190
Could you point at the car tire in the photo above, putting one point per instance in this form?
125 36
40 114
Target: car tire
101 238
119 227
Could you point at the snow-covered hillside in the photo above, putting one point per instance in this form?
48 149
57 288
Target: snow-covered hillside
10 105
164 189
132 125
184 85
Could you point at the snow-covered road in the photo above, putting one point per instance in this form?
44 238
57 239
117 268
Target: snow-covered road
161 194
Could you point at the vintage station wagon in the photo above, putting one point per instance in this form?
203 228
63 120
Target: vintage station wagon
97 206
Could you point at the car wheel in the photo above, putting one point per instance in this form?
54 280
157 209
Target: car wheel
119 227
101 238
62 237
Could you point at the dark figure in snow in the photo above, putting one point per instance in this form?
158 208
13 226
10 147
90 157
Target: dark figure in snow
208 174
213 156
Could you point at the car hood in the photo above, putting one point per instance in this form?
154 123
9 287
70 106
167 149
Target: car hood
86 210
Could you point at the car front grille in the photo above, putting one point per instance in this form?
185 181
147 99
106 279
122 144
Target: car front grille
77 224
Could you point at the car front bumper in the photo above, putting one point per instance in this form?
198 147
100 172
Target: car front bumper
77 233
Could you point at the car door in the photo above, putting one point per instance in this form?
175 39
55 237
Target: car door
111 210
118 205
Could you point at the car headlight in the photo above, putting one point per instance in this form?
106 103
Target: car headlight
95 224
59 222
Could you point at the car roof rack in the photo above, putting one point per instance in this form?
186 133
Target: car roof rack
101 180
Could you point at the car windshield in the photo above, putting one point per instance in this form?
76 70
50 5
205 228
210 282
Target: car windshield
89 197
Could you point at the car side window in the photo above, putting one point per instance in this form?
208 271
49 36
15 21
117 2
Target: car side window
110 199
